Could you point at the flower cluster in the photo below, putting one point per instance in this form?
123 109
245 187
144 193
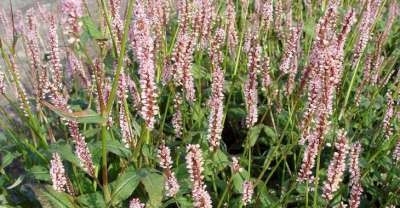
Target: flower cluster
135 203
250 86
165 161
194 161
143 44
182 57
366 24
231 25
57 173
248 190
216 101
81 149
72 12
355 176
177 121
336 167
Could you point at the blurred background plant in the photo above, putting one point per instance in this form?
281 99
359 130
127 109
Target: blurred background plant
200 103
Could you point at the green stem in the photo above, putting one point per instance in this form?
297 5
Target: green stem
107 194
229 185
120 59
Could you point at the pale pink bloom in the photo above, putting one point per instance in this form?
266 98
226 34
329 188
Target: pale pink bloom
314 140
289 60
235 166
134 92
81 149
267 12
194 161
202 198
216 101
251 85
143 45
248 190
355 176
177 120
184 14
116 21
265 73
182 57
56 69
135 203
336 167
216 104
387 128
7 32
72 11
231 27
126 132
21 93
32 37
203 12
165 161
159 14
77 69
367 21
57 173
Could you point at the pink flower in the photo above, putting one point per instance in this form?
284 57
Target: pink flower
202 20
165 161
216 102
177 121
355 176
143 44
337 167
250 86
367 21
72 11
235 166
248 190
194 161
56 69
57 173
231 25
135 203
81 149
182 57
388 130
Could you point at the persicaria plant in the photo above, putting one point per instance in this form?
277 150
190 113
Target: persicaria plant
200 103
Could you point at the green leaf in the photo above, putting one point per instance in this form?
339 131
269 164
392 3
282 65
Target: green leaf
237 182
153 185
56 199
124 186
91 28
115 147
65 150
92 200
269 132
8 158
85 116
254 132
220 160
40 173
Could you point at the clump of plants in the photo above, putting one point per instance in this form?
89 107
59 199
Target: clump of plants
200 103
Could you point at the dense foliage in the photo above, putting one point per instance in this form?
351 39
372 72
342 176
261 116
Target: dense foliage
200 103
